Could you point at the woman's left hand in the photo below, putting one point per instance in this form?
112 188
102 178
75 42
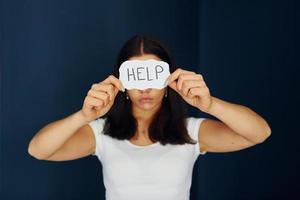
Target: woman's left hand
191 87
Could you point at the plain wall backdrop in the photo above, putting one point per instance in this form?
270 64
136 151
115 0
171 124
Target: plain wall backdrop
52 51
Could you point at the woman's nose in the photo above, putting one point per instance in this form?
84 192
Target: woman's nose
146 90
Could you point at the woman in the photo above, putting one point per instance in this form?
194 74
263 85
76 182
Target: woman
145 142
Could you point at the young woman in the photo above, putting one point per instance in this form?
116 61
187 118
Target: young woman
143 138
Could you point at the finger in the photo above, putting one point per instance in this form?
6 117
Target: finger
187 84
183 77
94 102
103 96
100 95
198 91
194 92
105 87
112 91
172 77
97 108
115 81
174 87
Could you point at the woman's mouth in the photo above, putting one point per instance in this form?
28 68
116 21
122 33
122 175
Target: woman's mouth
145 100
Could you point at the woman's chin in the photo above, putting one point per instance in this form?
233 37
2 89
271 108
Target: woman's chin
146 106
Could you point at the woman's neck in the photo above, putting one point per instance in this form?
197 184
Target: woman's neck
144 118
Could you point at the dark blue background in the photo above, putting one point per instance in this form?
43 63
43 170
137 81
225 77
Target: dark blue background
53 51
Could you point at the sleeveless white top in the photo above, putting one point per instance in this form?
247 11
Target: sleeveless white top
151 172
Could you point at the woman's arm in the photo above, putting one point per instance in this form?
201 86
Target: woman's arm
240 127
52 136
64 138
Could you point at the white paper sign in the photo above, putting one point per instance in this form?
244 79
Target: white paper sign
143 74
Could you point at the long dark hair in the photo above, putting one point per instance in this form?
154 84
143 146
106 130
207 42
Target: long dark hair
168 124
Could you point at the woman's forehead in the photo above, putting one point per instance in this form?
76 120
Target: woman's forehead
144 57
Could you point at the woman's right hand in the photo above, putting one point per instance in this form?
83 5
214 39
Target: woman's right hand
100 98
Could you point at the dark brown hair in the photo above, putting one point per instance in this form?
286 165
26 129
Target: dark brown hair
169 123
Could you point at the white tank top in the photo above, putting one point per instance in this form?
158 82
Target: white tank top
152 172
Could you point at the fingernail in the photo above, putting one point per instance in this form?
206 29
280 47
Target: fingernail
166 83
123 89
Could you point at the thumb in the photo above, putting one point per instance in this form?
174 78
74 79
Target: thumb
173 85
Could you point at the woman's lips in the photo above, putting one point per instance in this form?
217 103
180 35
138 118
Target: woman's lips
145 100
